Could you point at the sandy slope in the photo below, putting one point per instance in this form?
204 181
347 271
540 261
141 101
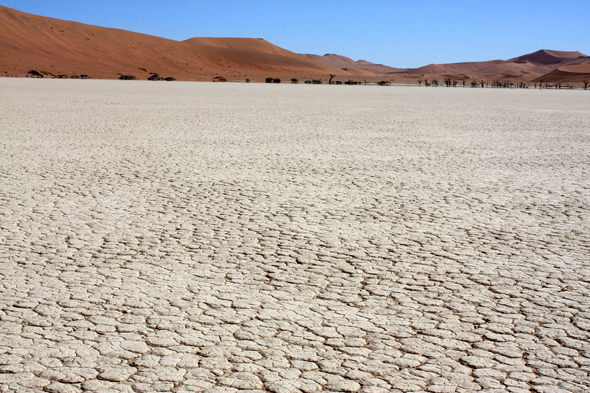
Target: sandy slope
547 57
57 47
63 47
534 64
567 74
356 67
524 68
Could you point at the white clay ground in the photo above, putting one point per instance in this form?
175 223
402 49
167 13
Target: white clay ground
192 237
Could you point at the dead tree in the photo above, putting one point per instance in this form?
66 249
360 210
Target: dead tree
331 77
585 84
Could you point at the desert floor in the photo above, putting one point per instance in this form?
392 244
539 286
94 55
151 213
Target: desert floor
220 237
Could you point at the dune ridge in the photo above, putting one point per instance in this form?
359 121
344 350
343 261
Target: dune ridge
527 67
356 67
573 74
60 48
70 48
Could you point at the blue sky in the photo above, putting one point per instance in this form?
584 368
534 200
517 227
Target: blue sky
395 33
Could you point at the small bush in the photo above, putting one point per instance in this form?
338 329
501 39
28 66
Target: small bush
127 78
143 69
383 83
169 79
308 82
317 81
294 80
247 80
276 80
351 82
219 79
75 77
268 80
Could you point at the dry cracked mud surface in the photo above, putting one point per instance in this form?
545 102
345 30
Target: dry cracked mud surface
196 237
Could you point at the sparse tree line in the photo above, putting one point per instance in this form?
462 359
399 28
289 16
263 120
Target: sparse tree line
319 81
560 85
449 82
42 74
504 84
432 82
156 77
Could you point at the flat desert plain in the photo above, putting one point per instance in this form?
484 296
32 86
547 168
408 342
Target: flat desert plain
192 237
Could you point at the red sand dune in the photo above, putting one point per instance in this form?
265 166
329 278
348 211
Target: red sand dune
363 73
58 47
452 68
355 67
525 68
533 64
567 74
62 47
547 57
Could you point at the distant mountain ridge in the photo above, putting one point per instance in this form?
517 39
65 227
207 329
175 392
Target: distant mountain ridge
69 49
32 45
346 63
547 57
532 64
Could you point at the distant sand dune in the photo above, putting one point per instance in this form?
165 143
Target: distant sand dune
63 47
55 47
567 74
347 63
